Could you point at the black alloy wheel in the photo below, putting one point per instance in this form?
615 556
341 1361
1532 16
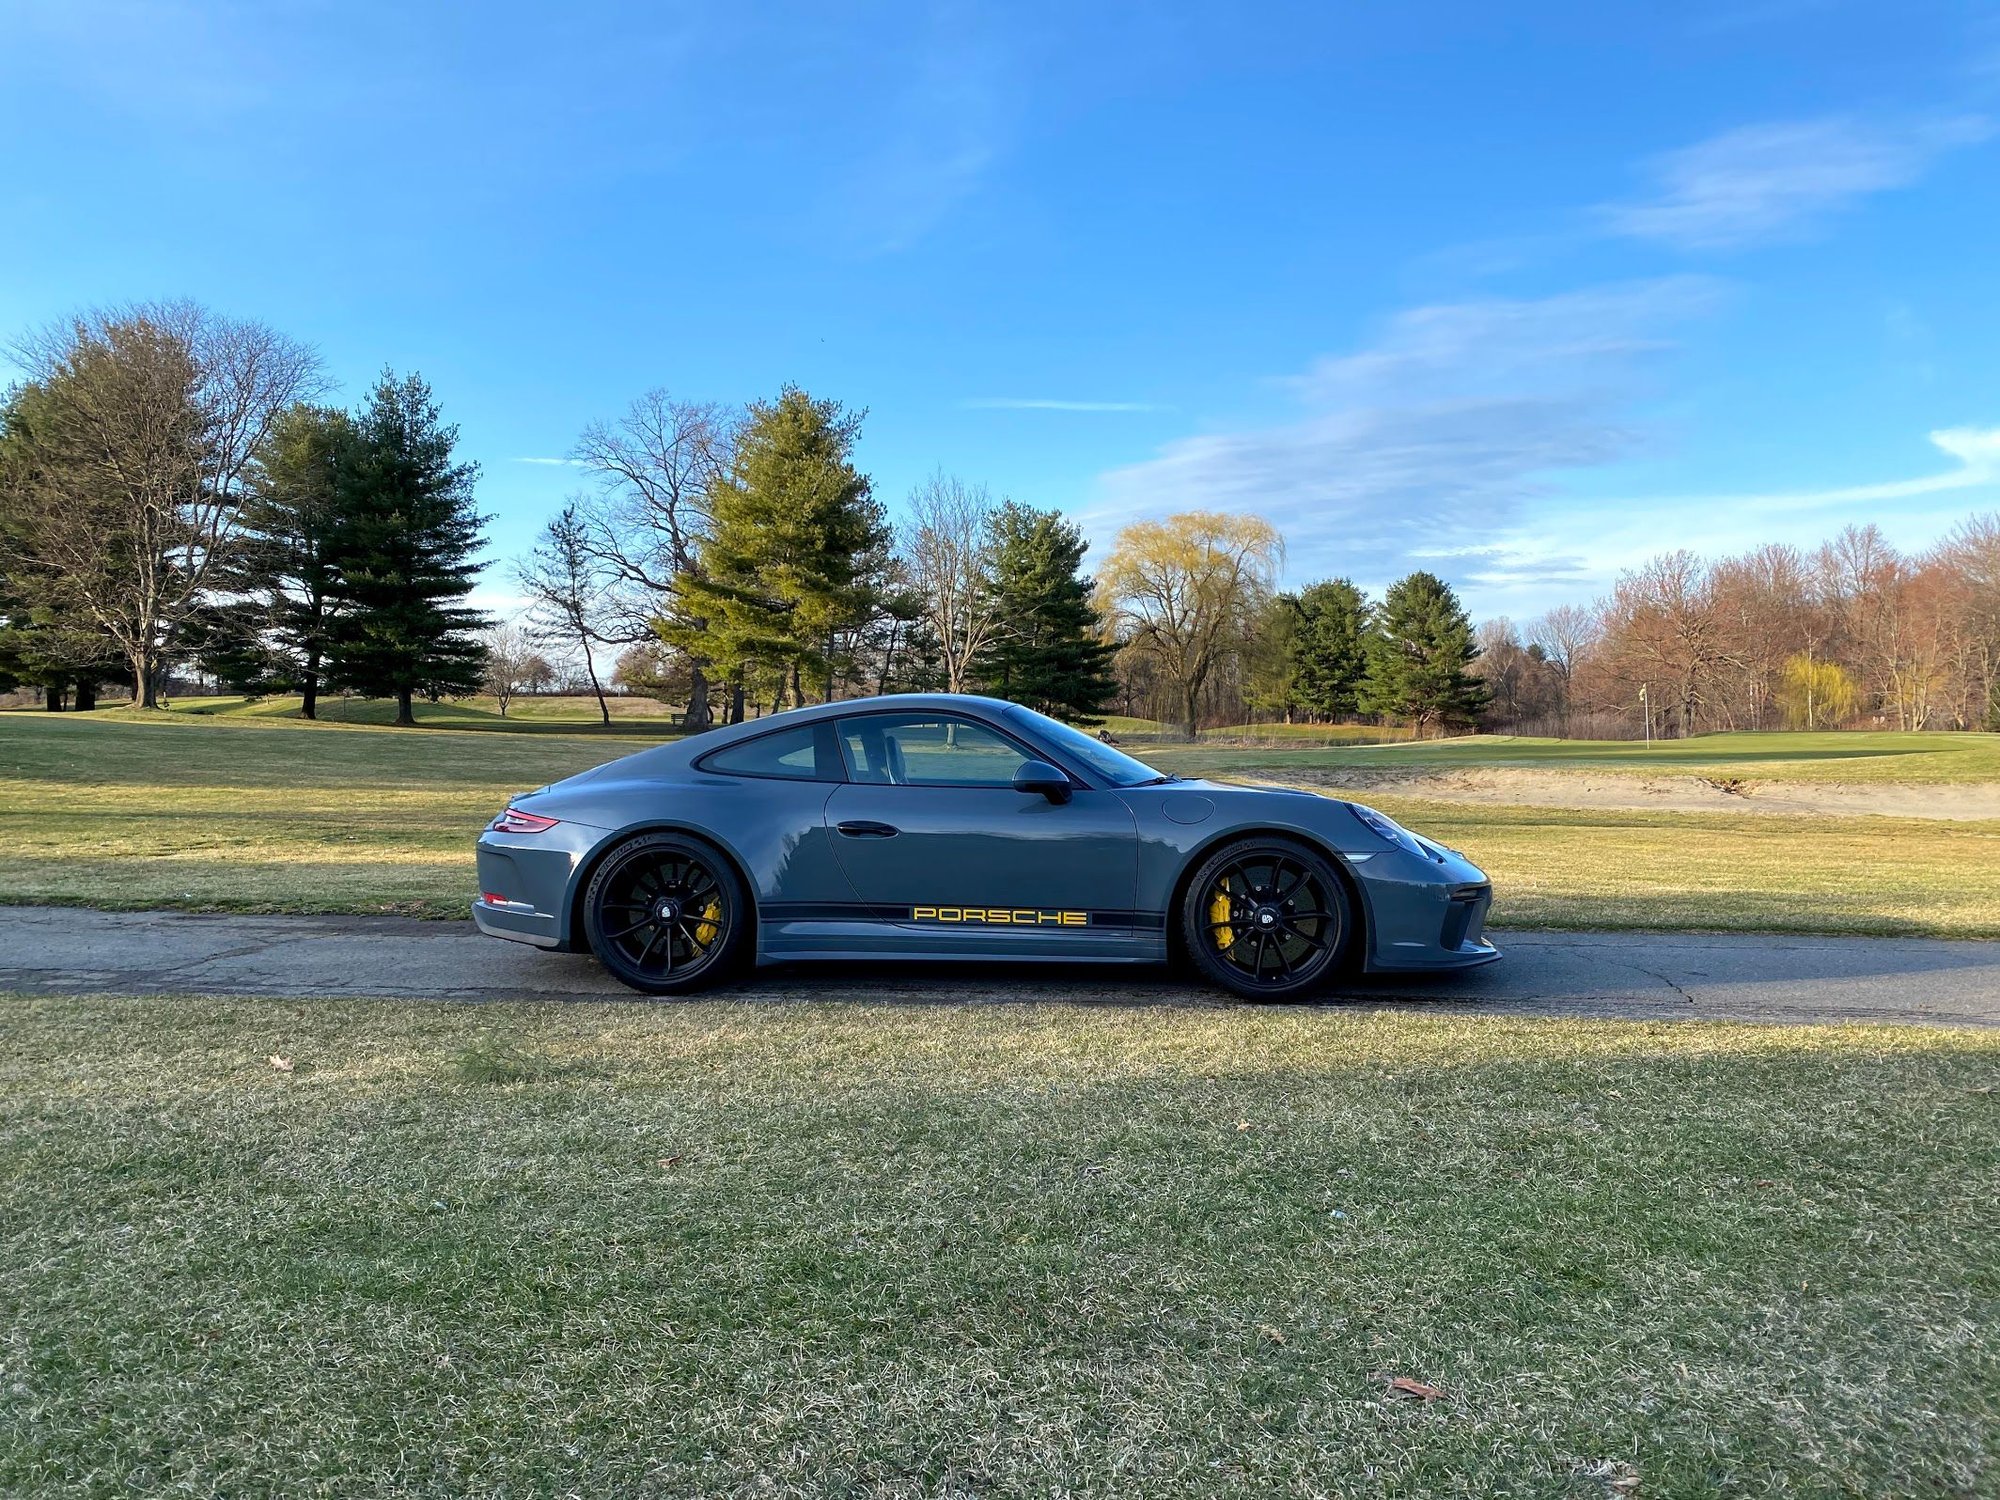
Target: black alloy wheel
665 913
1266 918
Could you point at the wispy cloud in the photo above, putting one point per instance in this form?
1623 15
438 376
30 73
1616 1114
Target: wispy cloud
553 463
1976 455
1444 427
1512 345
1576 548
939 133
1045 403
1778 181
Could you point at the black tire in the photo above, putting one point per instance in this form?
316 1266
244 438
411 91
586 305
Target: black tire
1267 918
666 913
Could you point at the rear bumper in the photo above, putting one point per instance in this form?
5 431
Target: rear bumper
524 883
516 922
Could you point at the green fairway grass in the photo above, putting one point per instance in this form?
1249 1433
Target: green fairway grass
108 810
1558 867
558 715
728 1249
1150 731
1859 756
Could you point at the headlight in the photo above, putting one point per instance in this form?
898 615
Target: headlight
1389 830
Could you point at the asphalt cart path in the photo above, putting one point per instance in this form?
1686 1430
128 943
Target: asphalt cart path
1717 976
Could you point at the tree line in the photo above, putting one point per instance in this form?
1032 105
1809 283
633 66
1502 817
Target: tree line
175 491
170 492
739 562
1850 632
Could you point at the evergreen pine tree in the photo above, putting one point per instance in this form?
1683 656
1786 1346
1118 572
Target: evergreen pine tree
1332 648
285 556
1271 659
791 565
401 553
1418 653
1045 652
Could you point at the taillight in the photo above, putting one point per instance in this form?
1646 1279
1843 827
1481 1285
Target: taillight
513 820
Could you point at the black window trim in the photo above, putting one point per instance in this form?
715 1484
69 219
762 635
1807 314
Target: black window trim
1032 751
817 726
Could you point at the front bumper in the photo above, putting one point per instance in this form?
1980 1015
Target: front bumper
1426 913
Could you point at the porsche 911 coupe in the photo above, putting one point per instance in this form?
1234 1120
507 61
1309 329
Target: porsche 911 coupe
940 826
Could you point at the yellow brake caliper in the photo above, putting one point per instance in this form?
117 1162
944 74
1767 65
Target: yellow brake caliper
1218 911
710 924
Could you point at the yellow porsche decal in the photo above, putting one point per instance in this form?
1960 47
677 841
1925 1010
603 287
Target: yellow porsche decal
1000 916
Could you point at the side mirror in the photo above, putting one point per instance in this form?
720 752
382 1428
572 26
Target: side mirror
1039 777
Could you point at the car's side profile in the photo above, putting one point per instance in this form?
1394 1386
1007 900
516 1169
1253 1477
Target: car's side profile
936 826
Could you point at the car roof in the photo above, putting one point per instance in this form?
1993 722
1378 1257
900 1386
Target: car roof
890 702
683 752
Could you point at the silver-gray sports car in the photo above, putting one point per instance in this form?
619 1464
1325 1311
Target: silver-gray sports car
934 826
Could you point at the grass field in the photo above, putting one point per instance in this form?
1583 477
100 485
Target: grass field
233 815
1015 1250
1150 731
1861 756
1847 756
558 715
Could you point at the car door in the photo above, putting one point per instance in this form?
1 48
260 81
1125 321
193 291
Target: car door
937 842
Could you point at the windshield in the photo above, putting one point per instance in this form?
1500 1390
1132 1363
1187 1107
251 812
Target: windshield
1113 764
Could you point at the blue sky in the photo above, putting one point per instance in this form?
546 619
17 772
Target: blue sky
1517 293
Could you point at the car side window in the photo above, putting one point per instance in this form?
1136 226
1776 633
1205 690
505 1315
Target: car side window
807 753
928 750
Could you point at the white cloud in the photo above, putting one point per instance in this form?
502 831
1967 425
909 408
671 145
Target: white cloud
1575 550
500 603
1444 428
1043 403
1508 346
553 463
1778 181
1976 449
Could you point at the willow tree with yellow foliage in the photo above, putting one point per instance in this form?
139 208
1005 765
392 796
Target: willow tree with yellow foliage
1812 693
1188 590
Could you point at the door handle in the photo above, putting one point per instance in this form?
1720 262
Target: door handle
863 828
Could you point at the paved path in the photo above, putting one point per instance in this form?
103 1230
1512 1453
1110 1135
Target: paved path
51 950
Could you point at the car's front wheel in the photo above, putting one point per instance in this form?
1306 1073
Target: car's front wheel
666 913
1267 918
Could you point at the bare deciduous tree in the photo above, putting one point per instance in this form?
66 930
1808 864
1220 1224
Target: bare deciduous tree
947 547
510 661
1567 635
654 467
572 587
1972 552
1662 621
140 424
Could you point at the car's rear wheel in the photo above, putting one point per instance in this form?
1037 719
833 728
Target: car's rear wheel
1266 918
665 913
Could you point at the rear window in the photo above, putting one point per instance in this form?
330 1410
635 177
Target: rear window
807 753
